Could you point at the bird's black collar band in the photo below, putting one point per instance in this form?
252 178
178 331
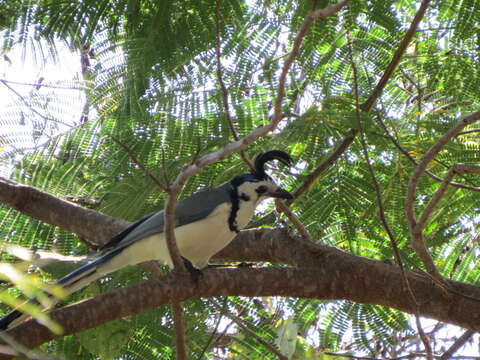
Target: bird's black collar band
232 219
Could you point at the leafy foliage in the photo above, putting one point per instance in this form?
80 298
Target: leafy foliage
152 84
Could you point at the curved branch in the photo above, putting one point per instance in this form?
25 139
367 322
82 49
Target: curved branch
86 223
336 275
422 165
415 227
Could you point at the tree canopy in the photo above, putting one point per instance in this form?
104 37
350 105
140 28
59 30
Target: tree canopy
377 103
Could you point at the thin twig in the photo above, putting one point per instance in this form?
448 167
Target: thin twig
309 20
180 341
223 334
468 132
293 219
245 328
139 163
214 333
36 84
226 107
25 102
396 57
455 169
314 175
381 209
413 161
277 115
326 164
423 336
457 344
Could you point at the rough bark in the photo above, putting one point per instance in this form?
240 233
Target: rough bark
337 275
86 223
320 272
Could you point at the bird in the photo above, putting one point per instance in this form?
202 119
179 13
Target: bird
205 223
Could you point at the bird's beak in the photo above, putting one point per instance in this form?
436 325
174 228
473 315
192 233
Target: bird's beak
281 194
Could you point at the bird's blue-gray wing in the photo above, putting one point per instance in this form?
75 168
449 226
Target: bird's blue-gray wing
194 208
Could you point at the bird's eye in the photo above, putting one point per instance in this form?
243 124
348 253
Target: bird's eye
262 189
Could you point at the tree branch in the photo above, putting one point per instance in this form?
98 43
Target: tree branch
85 223
180 341
327 273
412 160
132 156
396 57
431 153
454 170
416 229
381 209
245 328
362 280
457 344
244 142
240 144
329 161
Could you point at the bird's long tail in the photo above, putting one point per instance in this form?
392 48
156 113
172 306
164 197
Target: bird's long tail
70 283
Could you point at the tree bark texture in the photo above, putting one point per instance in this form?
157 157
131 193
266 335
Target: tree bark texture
317 272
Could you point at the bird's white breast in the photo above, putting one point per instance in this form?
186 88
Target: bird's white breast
200 240
197 241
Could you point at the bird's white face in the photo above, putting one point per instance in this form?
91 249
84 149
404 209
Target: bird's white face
257 191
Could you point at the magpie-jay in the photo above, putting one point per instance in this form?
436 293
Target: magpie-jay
205 223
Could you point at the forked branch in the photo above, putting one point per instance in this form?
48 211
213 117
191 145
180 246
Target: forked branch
416 228
417 232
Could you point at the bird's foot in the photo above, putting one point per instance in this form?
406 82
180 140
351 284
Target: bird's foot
195 274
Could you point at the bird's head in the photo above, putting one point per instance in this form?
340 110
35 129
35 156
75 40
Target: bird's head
257 185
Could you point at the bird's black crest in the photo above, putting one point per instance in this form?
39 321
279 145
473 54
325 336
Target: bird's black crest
262 159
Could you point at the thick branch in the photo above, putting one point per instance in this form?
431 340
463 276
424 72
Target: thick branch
86 223
328 273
